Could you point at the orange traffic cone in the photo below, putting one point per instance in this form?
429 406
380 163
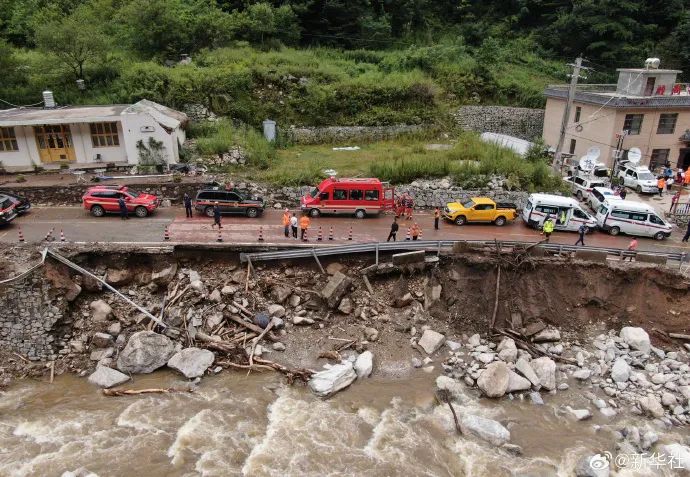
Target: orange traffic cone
408 235
261 233
421 234
304 237
166 234
349 236
21 235
62 236
320 236
330 233
220 237
49 235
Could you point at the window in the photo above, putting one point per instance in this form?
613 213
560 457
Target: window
356 194
339 194
620 215
484 207
638 216
633 124
573 142
580 214
659 157
630 173
231 196
104 134
547 209
324 196
578 111
371 195
667 123
579 181
8 140
656 220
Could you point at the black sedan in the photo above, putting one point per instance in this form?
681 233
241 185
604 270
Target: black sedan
21 204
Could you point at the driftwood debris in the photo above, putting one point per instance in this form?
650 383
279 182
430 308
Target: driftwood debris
134 392
680 336
522 343
498 289
443 395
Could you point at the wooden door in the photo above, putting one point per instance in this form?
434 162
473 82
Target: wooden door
55 143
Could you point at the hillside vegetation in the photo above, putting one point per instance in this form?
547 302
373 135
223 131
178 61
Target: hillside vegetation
305 62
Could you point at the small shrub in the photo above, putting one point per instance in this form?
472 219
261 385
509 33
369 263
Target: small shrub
20 178
177 177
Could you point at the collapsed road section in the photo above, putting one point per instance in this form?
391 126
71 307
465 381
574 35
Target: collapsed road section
612 338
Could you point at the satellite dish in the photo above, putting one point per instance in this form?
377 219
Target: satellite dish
593 153
587 164
634 155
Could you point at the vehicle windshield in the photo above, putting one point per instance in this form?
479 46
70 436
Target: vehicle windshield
133 194
468 204
314 192
645 176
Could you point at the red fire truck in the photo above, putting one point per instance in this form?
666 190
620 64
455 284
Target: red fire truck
360 197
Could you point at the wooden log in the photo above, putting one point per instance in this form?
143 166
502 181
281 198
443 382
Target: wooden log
368 284
251 327
134 392
498 289
679 336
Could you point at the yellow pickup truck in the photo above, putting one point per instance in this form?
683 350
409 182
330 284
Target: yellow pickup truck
479 209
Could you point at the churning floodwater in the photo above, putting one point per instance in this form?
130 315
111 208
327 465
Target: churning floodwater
254 425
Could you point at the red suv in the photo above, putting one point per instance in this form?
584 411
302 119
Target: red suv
101 200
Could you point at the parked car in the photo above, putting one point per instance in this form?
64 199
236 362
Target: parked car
540 205
229 201
633 218
582 186
359 196
599 195
8 211
479 209
101 200
21 204
639 178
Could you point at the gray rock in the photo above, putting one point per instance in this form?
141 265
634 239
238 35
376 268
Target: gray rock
345 306
280 293
101 354
582 374
517 383
547 335
475 340
228 290
115 329
302 321
371 334
328 382
334 290
295 300
524 368
620 371
145 352
102 340
580 414
453 345
494 380
592 466
276 310
164 276
485 429
431 341
107 377
651 406
364 364
215 296
100 311
545 369
509 355
191 362
278 346
636 338
119 276
535 397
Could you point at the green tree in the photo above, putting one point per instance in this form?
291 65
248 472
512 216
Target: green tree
262 22
75 40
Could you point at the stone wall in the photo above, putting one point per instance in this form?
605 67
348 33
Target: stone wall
31 313
525 123
341 134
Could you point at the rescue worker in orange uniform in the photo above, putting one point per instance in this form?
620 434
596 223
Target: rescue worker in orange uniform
304 225
416 230
286 223
661 184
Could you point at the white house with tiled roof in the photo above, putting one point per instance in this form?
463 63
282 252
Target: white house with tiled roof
84 137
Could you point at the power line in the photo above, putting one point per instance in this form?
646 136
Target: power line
18 106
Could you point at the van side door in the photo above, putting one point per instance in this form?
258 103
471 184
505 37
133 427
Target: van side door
339 202
639 224
577 218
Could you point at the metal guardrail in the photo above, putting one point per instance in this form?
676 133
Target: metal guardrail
435 245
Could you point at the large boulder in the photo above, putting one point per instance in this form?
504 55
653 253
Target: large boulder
526 370
280 293
145 352
620 371
636 338
191 362
119 276
545 369
486 429
100 310
334 290
517 383
329 381
431 341
494 380
101 340
651 406
165 275
107 377
364 364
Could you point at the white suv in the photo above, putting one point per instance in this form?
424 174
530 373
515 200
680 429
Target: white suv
582 187
639 178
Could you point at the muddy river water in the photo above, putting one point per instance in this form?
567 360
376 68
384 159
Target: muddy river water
254 425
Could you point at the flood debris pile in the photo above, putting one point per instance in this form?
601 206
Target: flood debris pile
616 370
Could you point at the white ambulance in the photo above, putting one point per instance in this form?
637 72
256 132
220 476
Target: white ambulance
632 218
566 213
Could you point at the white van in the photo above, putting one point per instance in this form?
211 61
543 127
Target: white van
632 218
639 178
540 205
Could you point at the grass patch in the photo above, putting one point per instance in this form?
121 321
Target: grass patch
215 138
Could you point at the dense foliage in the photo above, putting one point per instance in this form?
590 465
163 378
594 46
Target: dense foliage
335 61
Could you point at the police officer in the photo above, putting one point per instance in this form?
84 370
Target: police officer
394 230
187 205
124 213
216 216
547 228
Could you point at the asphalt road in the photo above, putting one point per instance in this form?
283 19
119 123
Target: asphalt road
79 226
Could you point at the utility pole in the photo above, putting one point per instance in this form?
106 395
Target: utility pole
558 162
